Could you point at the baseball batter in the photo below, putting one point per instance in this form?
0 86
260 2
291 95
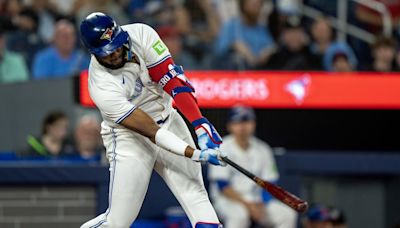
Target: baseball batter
133 80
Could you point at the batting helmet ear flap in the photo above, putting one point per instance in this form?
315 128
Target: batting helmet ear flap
101 35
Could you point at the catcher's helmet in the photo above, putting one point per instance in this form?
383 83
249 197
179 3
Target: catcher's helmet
101 35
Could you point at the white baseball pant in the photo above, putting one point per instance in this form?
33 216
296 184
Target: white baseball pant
132 159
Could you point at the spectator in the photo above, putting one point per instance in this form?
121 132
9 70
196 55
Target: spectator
62 59
47 14
155 12
383 52
52 142
250 41
199 24
9 12
322 36
87 138
339 57
12 65
318 217
109 7
173 41
228 9
341 63
293 52
24 37
64 7
236 198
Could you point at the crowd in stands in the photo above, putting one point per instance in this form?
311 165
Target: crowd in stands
39 38
54 143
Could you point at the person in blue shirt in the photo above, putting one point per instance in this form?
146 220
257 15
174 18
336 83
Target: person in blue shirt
339 57
62 59
249 40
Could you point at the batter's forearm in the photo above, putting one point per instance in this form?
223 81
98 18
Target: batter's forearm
143 124
170 142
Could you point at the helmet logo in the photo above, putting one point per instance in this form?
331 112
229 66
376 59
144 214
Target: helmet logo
107 35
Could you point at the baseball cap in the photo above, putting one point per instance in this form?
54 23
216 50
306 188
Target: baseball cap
318 213
241 113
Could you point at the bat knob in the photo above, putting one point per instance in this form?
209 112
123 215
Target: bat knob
302 207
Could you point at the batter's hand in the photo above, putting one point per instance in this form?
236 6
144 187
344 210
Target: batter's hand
212 156
207 135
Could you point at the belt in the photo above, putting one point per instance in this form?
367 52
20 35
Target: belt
162 120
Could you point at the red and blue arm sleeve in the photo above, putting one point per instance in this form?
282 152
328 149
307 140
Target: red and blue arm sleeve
166 74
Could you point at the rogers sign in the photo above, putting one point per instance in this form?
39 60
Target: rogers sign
274 89
231 89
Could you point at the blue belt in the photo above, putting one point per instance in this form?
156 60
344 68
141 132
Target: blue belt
162 120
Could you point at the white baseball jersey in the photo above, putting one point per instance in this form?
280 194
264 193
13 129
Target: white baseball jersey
117 93
258 159
132 157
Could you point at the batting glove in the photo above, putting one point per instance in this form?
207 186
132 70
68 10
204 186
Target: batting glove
207 135
211 156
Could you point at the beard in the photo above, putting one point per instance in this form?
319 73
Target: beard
115 66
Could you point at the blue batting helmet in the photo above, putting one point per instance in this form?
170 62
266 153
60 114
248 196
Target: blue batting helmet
101 35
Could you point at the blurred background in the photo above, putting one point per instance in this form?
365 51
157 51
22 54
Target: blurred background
322 76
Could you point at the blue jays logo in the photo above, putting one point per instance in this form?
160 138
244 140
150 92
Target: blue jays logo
107 35
138 89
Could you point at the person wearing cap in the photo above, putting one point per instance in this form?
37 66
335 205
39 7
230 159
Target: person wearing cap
237 199
318 216
339 57
12 65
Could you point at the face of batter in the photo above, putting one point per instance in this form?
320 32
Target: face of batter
114 60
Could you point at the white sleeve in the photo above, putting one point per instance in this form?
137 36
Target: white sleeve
111 101
154 49
270 170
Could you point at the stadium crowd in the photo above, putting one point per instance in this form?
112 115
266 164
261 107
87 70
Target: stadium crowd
39 38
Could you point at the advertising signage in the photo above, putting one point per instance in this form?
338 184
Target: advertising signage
288 90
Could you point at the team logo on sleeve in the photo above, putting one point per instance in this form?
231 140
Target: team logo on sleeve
107 35
159 47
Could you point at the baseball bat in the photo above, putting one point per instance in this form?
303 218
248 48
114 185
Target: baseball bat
279 193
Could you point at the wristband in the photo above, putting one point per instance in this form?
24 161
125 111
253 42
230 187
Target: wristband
196 155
